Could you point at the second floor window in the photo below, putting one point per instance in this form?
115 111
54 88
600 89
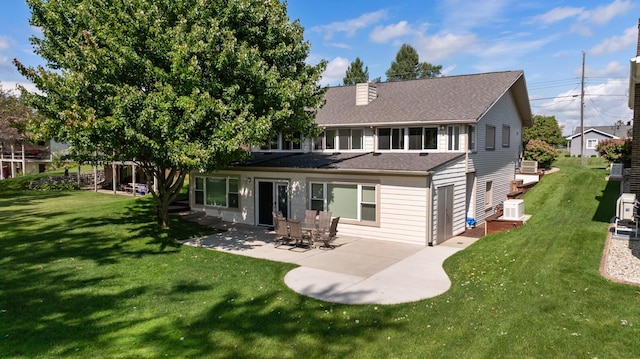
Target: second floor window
471 136
423 138
280 142
340 139
391 138
453 138
506 136
490 138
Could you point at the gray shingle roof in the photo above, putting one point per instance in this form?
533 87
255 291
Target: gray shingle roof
623 131
462 98
387 161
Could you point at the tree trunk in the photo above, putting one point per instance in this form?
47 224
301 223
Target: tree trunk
170 183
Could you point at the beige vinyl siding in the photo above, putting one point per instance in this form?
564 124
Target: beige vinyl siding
369 140
451 174
497 166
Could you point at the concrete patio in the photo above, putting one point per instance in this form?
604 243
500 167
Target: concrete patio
356 271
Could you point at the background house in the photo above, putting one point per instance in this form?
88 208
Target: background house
18 156
593 135
404 161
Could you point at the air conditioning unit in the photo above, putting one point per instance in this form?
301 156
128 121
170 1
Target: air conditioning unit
513 209
529 167
624 208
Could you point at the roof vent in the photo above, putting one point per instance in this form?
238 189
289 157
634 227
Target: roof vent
365 93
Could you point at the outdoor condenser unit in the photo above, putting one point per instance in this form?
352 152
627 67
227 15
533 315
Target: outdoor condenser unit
513 209
624 208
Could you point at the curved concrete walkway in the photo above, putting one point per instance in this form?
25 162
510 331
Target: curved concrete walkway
356 271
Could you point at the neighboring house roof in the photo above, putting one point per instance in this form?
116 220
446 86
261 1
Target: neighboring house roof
387 161
448 99
613 131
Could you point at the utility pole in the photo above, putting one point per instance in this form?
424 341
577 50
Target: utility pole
582 115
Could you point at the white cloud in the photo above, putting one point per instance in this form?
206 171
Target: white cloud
616 43
462 15
612 69
599 109
349 27
12 86
335 71
442 46
4 42
557 14
603 14
339 45
382 34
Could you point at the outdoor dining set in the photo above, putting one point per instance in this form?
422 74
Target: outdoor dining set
317 228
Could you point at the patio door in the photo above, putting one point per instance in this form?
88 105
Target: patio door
445 214
271 196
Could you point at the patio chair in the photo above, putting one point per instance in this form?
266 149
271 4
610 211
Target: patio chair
282 230
296 234
324 220
326 237
310 218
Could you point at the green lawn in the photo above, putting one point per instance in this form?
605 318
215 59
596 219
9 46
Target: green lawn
87 275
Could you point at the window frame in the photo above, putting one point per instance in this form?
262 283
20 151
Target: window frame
593 147
396 135
490 137
506 136
453 138
488 195
230 196
472 140
360 202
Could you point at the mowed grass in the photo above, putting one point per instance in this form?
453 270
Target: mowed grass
88 275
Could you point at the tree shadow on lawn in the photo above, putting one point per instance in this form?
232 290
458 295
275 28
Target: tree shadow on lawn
268 326
48 263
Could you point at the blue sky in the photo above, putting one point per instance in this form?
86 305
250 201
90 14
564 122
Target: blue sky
546 39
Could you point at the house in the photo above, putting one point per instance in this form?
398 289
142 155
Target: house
403 161
593 135
19 156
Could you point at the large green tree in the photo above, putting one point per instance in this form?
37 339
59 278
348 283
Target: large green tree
407 66
176 85
356 73
545 128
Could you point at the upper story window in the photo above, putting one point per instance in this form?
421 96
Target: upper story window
342 139
391 138
471 137
280 142
490 138
506 136
453 138
423 138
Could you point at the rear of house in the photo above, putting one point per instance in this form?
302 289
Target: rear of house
403 161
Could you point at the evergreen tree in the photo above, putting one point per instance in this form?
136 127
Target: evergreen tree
355 74
408 67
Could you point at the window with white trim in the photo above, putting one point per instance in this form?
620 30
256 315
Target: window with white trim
488 195
453 138
391 138
342 139
280 142
217 191
357 202
592 143
423 138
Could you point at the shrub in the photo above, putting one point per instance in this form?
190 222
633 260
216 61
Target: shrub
615 150
538 150
59 183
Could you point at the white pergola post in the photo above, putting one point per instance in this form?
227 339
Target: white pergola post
13 164
24 161
113 175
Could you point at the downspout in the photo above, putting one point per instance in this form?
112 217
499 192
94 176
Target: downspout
429 221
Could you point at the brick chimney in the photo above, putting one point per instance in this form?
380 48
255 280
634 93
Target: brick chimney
365 93
634 181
